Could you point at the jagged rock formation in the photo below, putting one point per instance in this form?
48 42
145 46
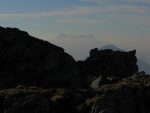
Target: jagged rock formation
25 60
142 65
108 63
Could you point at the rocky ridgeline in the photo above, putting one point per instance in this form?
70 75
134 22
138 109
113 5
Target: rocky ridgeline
25 60
39 77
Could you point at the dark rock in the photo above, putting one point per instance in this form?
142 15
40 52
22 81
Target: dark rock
108 63
94 52
127 96
28 61
27 104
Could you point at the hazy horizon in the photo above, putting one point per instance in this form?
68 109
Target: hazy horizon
79 25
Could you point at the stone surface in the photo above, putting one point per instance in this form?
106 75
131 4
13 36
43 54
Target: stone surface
112 65
25 60
131 95
26 104
128 96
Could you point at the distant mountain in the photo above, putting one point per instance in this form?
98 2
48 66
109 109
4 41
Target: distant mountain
143 66
111 46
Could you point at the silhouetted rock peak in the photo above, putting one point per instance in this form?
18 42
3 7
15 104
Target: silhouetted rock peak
116 64
142 65
27 60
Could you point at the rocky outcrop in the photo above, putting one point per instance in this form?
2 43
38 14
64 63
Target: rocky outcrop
28 61
131 95
109 64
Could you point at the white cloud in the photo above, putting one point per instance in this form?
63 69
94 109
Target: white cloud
77 45
123 1
83 21
84 36
79 10
22 15
74 11
78 14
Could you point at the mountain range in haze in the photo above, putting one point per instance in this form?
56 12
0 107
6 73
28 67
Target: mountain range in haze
143 66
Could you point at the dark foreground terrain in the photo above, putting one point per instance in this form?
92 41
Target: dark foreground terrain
131 95
39 77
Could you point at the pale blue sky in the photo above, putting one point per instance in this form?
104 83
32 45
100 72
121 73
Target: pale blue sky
85 23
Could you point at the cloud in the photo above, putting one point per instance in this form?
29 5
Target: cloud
77 45
82 36
9 16
80 11
83 21
81 14
65 12
119 1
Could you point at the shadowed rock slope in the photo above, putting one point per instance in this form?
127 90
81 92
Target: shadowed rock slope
29 61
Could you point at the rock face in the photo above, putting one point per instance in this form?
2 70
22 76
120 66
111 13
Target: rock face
25 60
128 96
142 65
27 104
43 101
109 63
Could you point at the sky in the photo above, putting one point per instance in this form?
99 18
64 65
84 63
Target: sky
80 25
